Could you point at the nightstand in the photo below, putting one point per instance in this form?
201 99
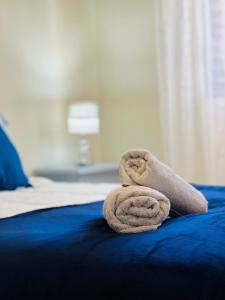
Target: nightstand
104 172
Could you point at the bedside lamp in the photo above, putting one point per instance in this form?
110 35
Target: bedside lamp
83 120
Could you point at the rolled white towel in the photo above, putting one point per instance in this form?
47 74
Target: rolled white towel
143 168
135 208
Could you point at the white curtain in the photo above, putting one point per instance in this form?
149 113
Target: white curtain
190 39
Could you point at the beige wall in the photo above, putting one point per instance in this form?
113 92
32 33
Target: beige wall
127 77
47 60
55 52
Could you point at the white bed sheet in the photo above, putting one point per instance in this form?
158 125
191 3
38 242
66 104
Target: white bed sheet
46 193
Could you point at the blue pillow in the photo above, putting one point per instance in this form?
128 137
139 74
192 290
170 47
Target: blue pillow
11 170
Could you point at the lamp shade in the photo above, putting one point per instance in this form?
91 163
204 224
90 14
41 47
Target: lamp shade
83 118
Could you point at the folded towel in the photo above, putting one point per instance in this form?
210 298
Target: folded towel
135 208
143 168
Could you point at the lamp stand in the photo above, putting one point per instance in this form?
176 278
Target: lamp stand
84 148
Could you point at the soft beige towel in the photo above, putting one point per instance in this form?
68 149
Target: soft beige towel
135 208
143 168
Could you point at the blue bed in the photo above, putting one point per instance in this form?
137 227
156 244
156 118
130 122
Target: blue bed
71 253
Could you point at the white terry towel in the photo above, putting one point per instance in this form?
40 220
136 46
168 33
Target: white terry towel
135 208
140 167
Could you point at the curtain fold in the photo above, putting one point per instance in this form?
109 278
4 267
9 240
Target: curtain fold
192 113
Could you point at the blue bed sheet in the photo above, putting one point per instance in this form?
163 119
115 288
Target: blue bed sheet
71 253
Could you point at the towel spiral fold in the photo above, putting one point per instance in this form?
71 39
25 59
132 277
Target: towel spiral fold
135 208
141 167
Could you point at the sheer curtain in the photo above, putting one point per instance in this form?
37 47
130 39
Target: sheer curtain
190 39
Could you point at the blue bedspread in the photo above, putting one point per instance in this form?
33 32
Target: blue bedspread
71 253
